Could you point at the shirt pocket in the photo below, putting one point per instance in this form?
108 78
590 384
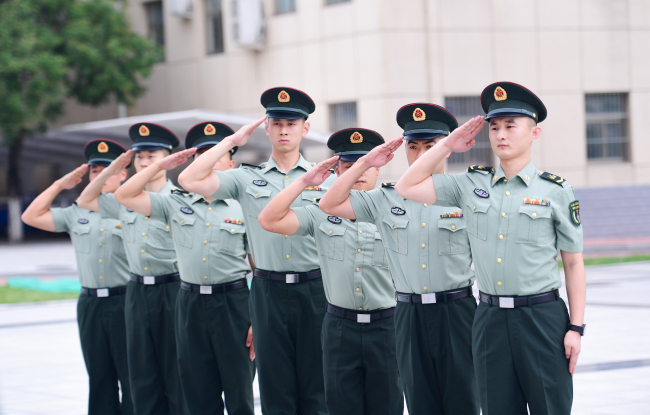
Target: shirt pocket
378 252
308 197
259 197
129 230
477 220
396 235
535 225
452 236
81 239
231 239
334 240
182 230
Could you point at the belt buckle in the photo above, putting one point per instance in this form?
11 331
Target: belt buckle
429 298
149 280
363 318
291 278
205 289
102 292
506 302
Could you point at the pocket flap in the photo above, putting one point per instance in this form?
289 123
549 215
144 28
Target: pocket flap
117 232
536 211
232 228
130 218
312 196
82 230
478 206
377 235
395 222
331 229
184 221
257 191
452 224
163 226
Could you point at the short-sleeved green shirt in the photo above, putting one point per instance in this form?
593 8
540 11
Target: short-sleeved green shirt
101 260
210 238
148 243
427 246
352 258
254 187
514 242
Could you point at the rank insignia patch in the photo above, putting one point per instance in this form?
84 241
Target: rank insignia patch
118 226
83 221
143 130
102 147
552 177
481 193
259 183
419 115
540 202
234 221
283 96
451 215
397 211
334 219
356 137
500 94
209 130
187 210
388 184
483 169
180 192
129 210
574 209
314 188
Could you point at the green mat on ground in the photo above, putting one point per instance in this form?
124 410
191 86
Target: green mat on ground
58 285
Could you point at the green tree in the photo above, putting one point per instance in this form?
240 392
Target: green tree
51 50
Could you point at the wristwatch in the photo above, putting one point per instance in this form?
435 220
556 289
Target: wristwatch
579 329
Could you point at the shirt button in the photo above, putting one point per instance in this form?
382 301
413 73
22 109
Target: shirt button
474 208
500 236
424 225
207 224
146 218
330 232
101 244
503 214
144 234
232 231
534 215
392 225
146 268
357 269
424 245
505 180
205 278
425 205
359 250
204 259
101 230
358 289
361 232
453 227
205 242
182 222
424 266
101 260
498 259
507 193
426 288
210 209
167 227
286 177
287 256
286 236
101 277
499 283
257 194
142 251
314 199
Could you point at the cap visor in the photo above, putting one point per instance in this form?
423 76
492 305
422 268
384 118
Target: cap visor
98 163
503 114
149 147
285 115
351 157
422 136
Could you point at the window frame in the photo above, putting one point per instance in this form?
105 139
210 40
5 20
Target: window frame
599 148
336 124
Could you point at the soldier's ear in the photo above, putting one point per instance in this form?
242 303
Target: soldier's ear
305 128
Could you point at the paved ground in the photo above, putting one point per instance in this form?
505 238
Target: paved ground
42 370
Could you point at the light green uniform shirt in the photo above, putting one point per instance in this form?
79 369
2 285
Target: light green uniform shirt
254 187
514 243
426 253
148 243
352 259
101 261
210 238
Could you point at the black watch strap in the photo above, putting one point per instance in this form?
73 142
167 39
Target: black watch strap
579 329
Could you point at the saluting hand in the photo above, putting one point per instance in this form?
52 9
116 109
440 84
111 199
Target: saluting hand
381 155
241 136
73 178
462 138
320 172
119 163
174 160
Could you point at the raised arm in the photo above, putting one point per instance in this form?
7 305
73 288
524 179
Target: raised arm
198 177
88 198
576 289
38 213
416 183
277 216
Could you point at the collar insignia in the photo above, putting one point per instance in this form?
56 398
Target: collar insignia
397 211
356 138
419 115
481 193
334 219
283 96
102 147
500 94
83 221
143 130
209 130
259 183
187 210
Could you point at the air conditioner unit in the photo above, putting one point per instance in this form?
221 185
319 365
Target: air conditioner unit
248 24
182 8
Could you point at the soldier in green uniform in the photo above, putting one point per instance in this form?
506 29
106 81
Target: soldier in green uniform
213 329
154 284
358 337
287 299
429 257
103 273
525 344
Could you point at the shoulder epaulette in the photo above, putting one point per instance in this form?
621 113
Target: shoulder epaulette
180 192
476 167
388 184
552 178
317 201
252 166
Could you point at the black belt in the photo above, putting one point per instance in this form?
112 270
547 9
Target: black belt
360 316
214 289
288 277
430 298
161 279
512 302
104 292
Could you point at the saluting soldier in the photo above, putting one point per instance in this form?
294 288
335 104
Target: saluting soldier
287 299
525 345
103 273
358 337
213 329
429 256
154 284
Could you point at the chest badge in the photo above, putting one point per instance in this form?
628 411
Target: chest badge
83 221
234 221
541 202
118 226
397 211
451 215
481 193
574 208
187 210
320 189
259 183
334 219
129 210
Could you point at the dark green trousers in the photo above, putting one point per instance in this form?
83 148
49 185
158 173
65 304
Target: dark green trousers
519 359
211 333
102 332
434 357
287 321
151 343
360 367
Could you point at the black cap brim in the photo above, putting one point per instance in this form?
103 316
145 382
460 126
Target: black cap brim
148 147
99 163
422 136
285 115
350 157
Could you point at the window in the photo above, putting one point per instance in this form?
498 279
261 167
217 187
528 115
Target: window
336 1
463 109
607 126
285 6
155 23
214 25
343 115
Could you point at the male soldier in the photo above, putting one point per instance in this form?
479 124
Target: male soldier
212 320
358 337
429 255
151 297
103 273
287 300
525 346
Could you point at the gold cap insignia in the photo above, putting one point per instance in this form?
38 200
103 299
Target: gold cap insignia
209 130
500 94
419 115
143 130
356 137
283 96
102 147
